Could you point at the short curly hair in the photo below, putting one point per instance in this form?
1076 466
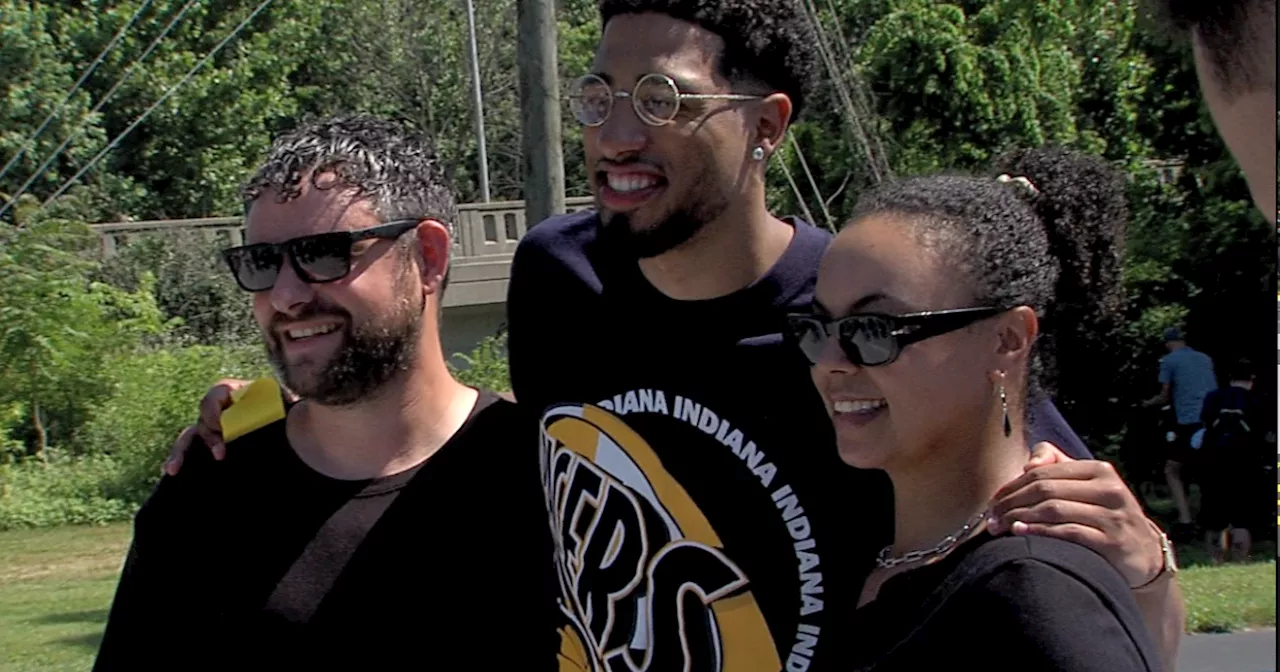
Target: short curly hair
387 162
770 41
1055 246
1232 34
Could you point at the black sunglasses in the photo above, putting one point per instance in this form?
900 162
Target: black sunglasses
874 339
323 257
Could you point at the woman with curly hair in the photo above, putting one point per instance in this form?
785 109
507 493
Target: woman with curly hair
939 315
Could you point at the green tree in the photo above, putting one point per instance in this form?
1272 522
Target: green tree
193 287
57 328
36 73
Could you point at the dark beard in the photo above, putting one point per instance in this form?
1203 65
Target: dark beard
674 230
370 355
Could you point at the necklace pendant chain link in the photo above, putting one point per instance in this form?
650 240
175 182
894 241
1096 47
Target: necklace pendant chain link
883 561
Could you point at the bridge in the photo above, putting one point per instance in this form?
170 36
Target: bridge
485 238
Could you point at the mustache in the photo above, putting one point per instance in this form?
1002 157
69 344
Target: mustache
601 164
318 308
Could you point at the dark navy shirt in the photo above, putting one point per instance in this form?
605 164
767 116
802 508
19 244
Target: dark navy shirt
701 513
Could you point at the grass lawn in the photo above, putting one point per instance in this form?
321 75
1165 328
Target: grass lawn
1229 597
56 586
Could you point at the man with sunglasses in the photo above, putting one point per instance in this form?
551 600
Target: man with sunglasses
350 530
702 517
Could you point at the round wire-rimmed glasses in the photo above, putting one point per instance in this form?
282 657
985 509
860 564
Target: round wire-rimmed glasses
655 98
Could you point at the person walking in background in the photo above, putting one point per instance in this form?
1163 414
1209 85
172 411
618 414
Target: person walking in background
1233 456
1186 377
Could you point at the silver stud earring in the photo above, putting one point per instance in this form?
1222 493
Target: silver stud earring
758 153
1004 405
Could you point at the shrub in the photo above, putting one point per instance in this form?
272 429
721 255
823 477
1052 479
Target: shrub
12 416
192 286
486 365
62 490
115 461
57 328
154 396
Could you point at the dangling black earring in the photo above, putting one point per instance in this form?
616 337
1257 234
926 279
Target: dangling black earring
1004 405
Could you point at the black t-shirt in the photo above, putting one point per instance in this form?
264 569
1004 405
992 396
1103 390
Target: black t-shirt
1032 604
690 468
259 560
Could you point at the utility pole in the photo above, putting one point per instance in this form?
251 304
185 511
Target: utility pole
540 110
479 103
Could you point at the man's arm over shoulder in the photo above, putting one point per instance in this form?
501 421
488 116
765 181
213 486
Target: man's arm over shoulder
153 612
1067 620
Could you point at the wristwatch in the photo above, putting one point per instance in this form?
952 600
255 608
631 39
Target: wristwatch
1170 566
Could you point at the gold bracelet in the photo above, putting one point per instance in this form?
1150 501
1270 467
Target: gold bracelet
1169 565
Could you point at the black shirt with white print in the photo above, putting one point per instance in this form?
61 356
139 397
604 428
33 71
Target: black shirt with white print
701 514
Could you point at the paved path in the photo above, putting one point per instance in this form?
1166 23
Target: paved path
1253 651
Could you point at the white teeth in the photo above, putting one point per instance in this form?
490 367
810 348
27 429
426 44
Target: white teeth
632 182
859 406
311 331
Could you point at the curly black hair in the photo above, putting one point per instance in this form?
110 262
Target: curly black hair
769 41
1054 243
394 167
1232 34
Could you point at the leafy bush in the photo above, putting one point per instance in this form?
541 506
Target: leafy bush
486 365
12 416
192 286
57 327
62 490
153 397
116 458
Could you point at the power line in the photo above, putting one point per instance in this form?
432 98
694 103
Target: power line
110 92
172 90
796 190
861 93
75 87
875 159
812 182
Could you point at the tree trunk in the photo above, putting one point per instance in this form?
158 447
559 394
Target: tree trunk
42 439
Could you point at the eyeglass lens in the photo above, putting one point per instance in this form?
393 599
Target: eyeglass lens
866 341
655 100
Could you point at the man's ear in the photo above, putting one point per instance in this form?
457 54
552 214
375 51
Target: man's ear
1016 332
434 245
772 123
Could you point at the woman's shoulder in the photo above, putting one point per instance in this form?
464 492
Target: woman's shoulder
1066 599
1041 557
1002 552
1045 604
1025 568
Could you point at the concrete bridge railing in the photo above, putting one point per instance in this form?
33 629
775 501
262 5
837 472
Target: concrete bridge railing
485 237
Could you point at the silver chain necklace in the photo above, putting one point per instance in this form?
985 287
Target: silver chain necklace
883 561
